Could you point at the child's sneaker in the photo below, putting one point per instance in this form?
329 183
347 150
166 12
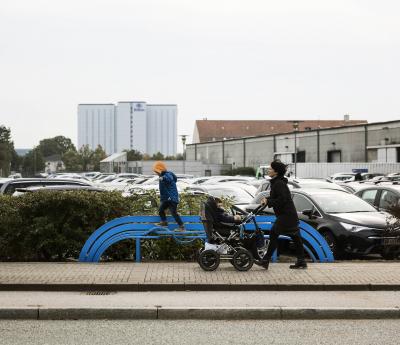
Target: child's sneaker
181 228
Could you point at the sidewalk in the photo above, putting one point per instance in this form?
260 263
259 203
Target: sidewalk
233 305
181 276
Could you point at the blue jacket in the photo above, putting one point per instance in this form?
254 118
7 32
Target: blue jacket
167 184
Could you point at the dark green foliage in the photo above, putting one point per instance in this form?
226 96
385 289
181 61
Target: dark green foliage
133 155
244 171
32 163
8 156
55 225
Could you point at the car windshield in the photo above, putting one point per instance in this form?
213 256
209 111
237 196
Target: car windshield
239 196
342 203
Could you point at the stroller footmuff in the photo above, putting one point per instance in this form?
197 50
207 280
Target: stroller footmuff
227 242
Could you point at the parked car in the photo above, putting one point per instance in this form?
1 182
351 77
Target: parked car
10 186
341 177
4 180
302 183
240 197
382 197
60 188
222 179
348 223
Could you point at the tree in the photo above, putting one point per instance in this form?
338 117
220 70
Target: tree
57 145
85 155
16 161
72 161
98 155
134 155
33 162
178 157
6 151
158 156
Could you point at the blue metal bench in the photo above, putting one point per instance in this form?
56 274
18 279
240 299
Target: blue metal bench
143 227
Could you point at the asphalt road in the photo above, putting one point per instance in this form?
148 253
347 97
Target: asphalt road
200 332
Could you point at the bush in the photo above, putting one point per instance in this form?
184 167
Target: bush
244 171
54 226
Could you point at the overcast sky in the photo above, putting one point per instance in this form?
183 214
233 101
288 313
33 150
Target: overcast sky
220 59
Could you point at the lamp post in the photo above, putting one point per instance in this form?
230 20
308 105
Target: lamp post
295 124
183 138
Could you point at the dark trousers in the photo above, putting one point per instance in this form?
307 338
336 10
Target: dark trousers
172 206
273 243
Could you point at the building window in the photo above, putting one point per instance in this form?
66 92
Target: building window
334 156
301 156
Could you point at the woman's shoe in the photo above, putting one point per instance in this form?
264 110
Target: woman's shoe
298 265
262 263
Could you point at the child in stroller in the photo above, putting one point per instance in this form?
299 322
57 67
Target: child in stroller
227 238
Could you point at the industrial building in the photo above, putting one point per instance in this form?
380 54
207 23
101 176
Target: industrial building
206 130
374 142
148 128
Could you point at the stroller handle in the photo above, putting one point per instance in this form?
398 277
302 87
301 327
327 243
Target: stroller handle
259 209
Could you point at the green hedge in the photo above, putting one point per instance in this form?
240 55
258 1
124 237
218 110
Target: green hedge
46 226
243 171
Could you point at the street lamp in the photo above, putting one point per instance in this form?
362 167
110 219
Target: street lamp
183 138
295 124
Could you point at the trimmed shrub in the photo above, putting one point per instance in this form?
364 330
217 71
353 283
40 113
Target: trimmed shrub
244 171
55 225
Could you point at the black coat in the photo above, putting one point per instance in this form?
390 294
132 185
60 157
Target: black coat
281 201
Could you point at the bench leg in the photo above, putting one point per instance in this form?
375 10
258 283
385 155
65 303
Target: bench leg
138 253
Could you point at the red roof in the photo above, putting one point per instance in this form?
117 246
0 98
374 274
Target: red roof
214 130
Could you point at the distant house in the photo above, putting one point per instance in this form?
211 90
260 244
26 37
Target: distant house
53 164
216 130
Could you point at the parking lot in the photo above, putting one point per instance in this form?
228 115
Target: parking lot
354 217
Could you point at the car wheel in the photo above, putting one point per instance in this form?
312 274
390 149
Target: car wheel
332 243
387 255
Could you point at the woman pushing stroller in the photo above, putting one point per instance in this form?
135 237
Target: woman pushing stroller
287 221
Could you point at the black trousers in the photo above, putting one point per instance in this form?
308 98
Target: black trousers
172 206
273 243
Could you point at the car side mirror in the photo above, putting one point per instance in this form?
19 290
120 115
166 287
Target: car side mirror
308 213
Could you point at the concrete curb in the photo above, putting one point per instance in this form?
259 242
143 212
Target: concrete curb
160 313
197 287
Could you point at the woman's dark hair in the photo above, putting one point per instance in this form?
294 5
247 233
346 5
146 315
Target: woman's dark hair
279 167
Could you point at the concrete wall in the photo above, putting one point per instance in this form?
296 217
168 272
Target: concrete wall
161 129
354 144
195 168
123 125
259 151
96 126
323 170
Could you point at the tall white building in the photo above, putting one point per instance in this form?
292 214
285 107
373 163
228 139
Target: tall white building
148 128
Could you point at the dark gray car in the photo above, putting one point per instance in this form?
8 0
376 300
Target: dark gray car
10 187
382 197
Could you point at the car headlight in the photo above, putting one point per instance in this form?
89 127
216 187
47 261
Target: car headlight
354 228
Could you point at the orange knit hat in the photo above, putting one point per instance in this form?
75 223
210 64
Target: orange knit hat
159 167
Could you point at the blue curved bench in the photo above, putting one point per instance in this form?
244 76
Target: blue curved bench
143 227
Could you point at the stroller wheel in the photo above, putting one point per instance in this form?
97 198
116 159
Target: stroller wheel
242 260
209 260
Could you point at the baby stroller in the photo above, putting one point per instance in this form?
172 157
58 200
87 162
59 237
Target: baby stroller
232 243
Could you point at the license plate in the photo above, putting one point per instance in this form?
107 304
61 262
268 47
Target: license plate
391 241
